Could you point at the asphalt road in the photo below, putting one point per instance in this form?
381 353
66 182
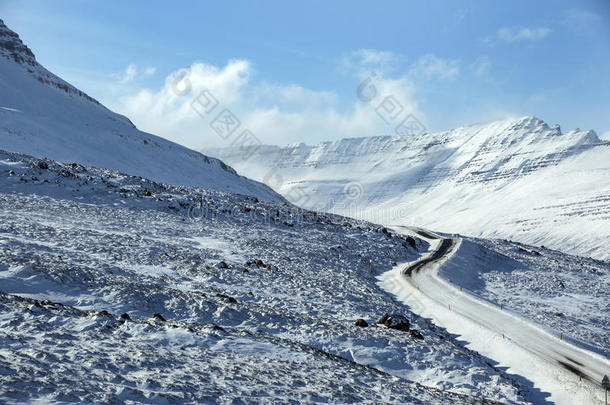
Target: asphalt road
424 275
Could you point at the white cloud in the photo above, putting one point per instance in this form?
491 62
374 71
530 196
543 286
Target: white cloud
132 71
523 34
481 66
149 71
431 66
369 59
129 74
275 113
294 96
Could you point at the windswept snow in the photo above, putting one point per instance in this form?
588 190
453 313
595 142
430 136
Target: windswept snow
259 300
566 294
135 270
518 179
445 286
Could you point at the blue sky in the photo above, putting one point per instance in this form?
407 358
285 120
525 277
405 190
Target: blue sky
289 70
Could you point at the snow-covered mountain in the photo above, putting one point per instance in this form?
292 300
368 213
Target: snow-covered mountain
44 116
515 178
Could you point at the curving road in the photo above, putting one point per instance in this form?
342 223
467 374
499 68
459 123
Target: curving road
552 360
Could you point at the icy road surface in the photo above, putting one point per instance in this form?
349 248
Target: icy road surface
569 373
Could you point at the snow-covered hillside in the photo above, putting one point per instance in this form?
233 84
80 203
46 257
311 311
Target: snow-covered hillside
563 293
256 301
515 178
537 312
42 115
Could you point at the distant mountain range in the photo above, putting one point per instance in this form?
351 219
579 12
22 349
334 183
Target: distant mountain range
515 178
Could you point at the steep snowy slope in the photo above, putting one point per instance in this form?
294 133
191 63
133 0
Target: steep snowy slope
515 178
42 115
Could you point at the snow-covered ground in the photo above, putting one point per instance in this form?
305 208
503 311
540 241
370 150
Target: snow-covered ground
518 179
259 299
566 294
173 279
449 286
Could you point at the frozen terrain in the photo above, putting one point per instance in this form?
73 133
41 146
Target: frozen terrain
566 294
442 286
258 300
42 115
518 179
135 270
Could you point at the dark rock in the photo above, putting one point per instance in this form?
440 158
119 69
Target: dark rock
395 321
361 323
222 265
383 319
217 328
159 317
411 242
226 298
416 334
43 165
559 314
126 316
104 313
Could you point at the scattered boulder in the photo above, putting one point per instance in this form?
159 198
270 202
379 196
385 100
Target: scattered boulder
558 314
159 317
258 263
395 321
105 313
42 165
126 316
226 298
385 231
222 265
361 323
416 334
411 242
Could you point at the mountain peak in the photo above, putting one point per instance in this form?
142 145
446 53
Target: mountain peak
11 47
530 122
43 115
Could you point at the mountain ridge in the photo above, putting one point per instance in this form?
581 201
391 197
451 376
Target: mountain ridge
45 116
500 177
